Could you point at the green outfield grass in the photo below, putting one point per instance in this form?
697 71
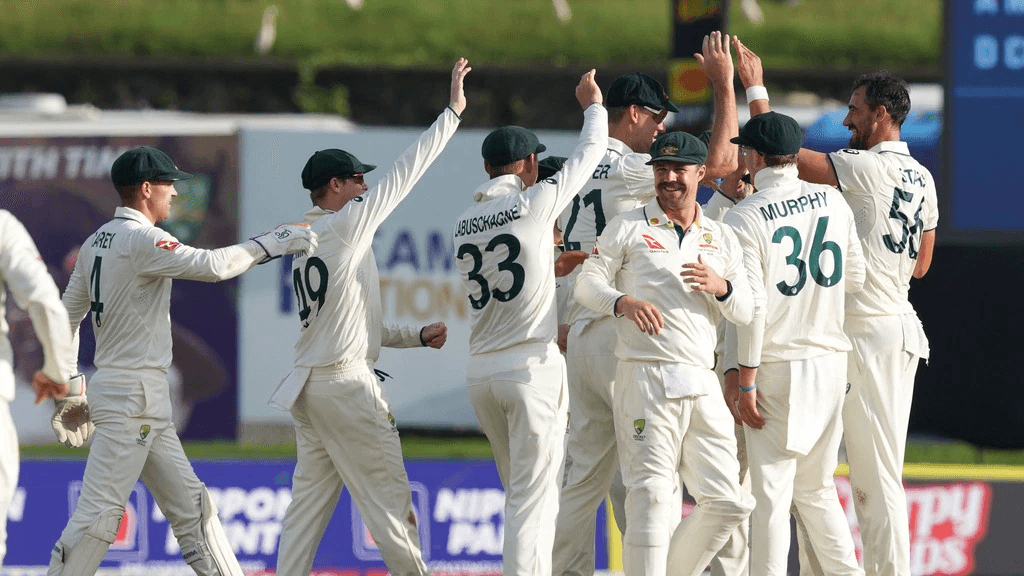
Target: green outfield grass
438 446
817 33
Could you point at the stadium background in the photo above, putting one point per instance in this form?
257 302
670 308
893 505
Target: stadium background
966 409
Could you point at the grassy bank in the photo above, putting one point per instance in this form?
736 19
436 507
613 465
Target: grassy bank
815 33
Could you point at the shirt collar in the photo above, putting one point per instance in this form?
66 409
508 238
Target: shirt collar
656 216
498 187
131 214
315 213
897 146
773 175
619 146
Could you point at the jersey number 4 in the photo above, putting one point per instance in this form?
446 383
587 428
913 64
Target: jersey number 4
818 245
96 306
303 286
509 264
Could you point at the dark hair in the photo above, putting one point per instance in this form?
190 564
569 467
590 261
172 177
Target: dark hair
779 160
885 89
615 113
128 193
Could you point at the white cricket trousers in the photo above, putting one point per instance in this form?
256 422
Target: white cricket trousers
734 558
135 438
591 364
345 436
876 416
658 438
522 410
781 477
8 470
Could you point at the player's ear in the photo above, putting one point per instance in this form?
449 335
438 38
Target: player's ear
701 171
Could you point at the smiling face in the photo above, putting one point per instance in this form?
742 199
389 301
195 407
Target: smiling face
676 183
650 124
861 120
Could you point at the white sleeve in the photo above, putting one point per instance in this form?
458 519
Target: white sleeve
357 222
639 177
930 206
547 200
595 285
26 276
750 337
859 172
738 308
157 253
400 336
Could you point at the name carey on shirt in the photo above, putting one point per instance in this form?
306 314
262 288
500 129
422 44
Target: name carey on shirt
793 206
486 222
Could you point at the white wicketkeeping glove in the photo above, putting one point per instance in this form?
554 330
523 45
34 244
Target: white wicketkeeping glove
71 421
287 239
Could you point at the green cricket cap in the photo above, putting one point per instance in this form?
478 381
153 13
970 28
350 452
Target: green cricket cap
640 89
508 144
772 134
145 164
678 147
331 163
547 167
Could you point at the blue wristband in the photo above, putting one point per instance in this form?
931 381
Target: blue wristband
750 389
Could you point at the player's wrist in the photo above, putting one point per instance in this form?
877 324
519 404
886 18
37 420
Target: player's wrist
615 307
756 92
423 342
725 295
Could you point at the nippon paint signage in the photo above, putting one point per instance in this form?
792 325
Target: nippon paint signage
459 507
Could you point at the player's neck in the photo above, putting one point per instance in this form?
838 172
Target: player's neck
883 135
144 209
683 213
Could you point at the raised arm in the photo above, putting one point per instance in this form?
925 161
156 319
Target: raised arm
814 166
716 59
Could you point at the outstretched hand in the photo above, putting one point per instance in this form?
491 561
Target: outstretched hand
588 91
716 59
748 65
458 99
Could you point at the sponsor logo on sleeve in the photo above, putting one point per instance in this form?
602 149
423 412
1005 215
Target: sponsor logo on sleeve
168 245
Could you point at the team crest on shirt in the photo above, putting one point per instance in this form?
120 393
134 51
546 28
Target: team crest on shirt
707 246
391 419
143 432
638 426
653 244
168 245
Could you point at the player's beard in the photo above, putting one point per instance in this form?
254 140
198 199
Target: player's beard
858 139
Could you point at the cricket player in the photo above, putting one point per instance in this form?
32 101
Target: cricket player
123 277
22 272
803 255
672 274
515 373
894 200
637 108
345 433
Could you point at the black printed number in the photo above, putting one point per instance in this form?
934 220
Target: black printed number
509 264
592 198
303 286
818 246
908 238
96 306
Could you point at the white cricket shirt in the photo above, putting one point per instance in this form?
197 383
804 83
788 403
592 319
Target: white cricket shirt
503 248
803 255
23 272
621 182
893 201
337 287
123 277
640 254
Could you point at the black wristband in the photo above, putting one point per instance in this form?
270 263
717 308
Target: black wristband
423 342
728 292
454 112
614 313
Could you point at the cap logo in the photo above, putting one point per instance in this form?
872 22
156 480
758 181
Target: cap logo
669 150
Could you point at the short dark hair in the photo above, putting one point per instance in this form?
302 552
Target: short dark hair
885 89
615 113
510 168
780 160
128 192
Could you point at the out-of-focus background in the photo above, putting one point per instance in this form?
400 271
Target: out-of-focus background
241 92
